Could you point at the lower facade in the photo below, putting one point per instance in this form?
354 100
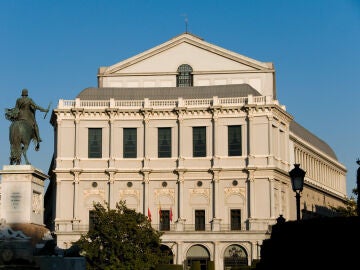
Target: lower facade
226 250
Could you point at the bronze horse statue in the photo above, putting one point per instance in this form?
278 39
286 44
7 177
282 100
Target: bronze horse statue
20 135
23 128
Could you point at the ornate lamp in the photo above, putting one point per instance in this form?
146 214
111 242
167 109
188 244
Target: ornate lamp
297 176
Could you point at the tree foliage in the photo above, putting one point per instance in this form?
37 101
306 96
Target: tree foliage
350 206
121 239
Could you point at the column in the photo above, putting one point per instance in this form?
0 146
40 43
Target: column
180 183
58 203
180 255
287 139
272 197
280 192
111 191
146 140
58 141
76 183
250 139
180 222
77 140
77 111
218 263
254 251
146 194
215 202
270 138
111 162
215 141
181 144
251 193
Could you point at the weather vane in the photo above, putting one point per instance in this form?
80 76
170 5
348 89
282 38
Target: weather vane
186 22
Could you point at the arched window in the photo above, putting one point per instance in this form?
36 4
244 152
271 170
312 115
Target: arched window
234 257
198 254
184 77
167 253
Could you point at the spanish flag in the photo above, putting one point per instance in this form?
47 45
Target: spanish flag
149 214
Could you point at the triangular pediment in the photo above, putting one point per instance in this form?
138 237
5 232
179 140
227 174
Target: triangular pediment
186 49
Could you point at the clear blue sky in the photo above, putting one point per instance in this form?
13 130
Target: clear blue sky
54 48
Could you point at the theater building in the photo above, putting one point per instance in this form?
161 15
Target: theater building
192 135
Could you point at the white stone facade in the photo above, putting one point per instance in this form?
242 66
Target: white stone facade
254 184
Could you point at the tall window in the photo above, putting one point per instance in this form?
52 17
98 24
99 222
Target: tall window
199 141
92 219
94 142
184 77
130 142
235 219
164 142
199 220
164 220
234 141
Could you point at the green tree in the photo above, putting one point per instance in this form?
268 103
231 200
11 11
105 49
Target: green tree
121 239
350 206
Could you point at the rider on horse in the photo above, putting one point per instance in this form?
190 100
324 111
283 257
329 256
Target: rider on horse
24 110
27 108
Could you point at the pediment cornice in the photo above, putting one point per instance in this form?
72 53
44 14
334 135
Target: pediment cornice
193 41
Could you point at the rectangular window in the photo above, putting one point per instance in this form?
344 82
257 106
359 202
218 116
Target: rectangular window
92 219
94 142
164 220
199 141
234 141
164 142
130 143
199 220
235 219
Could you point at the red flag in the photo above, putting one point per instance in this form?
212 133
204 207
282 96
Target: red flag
149 214
171 214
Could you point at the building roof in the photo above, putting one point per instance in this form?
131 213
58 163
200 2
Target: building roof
307 136
162 93
196 92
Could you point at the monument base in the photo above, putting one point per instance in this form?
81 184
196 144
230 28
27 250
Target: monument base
22 188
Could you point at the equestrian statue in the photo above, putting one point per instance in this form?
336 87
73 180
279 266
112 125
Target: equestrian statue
23 128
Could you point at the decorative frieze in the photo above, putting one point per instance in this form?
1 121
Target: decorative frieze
167 192
229 191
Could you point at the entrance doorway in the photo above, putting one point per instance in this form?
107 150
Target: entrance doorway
198 253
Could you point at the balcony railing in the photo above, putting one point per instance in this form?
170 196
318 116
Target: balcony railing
164 227
172 227
197 227
80 227
166 104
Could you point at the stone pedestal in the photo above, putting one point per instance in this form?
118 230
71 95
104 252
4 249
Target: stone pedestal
215 224
22 194
180 225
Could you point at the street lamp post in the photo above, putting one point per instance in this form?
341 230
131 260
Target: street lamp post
297 176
